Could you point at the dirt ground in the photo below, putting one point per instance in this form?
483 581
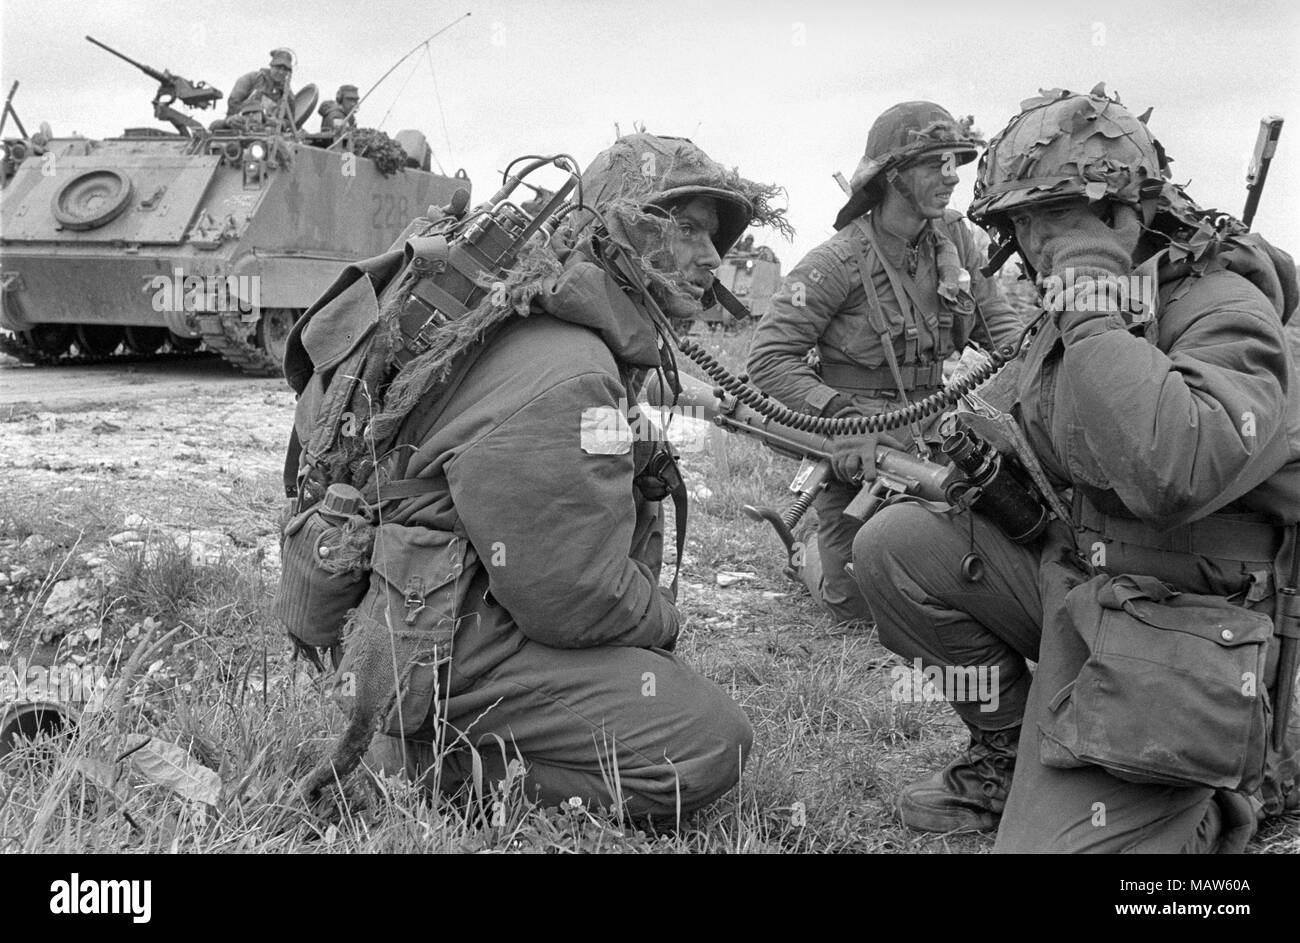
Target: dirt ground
182 444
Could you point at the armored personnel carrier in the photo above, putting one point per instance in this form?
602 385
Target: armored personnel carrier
164 240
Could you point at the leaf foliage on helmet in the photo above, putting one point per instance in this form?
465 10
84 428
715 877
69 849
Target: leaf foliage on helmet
1065 144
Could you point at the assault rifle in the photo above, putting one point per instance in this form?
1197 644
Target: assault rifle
896 472
172 88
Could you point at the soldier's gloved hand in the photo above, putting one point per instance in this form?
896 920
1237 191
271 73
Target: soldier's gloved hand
854 456
1087 259
1093 248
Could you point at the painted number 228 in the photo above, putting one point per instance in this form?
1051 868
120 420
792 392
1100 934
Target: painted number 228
390 211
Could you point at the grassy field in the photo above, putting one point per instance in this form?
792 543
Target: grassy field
208 721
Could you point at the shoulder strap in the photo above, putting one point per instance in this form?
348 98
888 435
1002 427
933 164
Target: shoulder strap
877 319
911 328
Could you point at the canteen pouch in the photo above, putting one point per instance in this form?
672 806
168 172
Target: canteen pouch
324 561
399 642
1172 691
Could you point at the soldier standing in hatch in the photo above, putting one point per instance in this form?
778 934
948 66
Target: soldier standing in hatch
269 85
881 341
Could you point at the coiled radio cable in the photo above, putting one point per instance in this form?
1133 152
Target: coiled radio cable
783 415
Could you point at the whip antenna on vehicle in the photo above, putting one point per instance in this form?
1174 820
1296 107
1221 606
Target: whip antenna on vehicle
393 68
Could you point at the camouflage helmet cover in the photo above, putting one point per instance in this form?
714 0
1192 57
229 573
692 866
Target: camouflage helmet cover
282 57
1066 144
346 91
650 170
636 180
899 136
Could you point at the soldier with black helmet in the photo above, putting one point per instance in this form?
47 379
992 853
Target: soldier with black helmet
881 339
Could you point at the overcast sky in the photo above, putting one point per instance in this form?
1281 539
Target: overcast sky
785 91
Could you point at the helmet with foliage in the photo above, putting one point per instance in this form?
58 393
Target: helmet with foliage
636 181
650 172
1065 144
627 191
898 137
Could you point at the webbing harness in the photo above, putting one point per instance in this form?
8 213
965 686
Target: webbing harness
876 317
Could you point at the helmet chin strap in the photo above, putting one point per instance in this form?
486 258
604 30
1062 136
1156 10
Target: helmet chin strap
1149 201
898 183
1000 258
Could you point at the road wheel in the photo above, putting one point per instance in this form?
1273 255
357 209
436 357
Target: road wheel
52 340
145 340
184 345
273 331
98 340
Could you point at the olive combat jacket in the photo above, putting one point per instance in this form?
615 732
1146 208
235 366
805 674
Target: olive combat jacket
532 463
822 303
1191 410
1178 435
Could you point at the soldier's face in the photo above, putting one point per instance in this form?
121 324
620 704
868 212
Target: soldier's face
1035 225
349 102
932 179
691 244
281 72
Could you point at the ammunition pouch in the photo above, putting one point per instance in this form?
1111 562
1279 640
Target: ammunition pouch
325 555
1172 691
399 643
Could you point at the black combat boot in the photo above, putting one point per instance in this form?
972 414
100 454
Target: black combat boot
969 793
